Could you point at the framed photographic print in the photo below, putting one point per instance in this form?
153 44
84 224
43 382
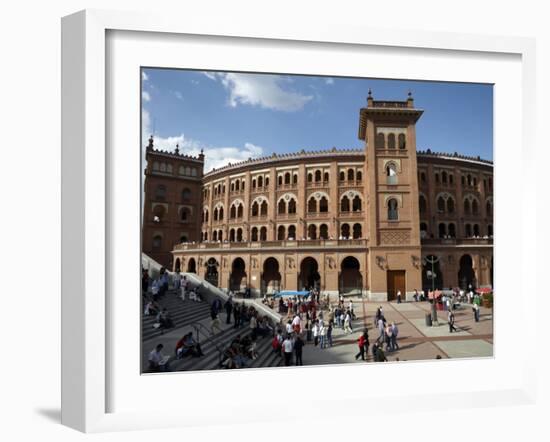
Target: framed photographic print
261 208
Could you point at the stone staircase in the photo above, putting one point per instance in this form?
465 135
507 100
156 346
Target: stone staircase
182 313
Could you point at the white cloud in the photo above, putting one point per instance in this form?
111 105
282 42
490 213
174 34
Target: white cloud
178 95
262 90
215 156
146 96
329 80
210 75
144 76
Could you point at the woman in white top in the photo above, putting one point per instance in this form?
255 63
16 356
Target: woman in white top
315 331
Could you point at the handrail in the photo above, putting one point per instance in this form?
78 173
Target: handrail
198 328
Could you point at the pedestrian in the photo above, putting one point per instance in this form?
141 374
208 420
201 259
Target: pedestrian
298 346
236 316
380 326
315 331
415 296
475 309
157 360
389 335
288 348
228 309
399 296
361 342
215 324
347 323
380 355
375 351
350 308
451 320
322 335
329 334
394 333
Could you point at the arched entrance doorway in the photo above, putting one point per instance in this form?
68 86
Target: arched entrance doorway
427 281
211 271
237 278
177 266
191 266
351 280
309 277
271 277
466 273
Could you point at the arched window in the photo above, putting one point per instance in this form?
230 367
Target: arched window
325 178
469 180
292 206
266 181
253 183
312 205
183 238
160 193
281 207
441 205
263 208
359 175
391 141
356 204
444 177
350 174
157 242
450 205
342 175
232 235
422 204
391 174
260 181
452 230
323 231
380 141
401 141
280 180
281 233
242 185
216 214
468 230
357 231
232 187
451 178
220 217
344 204
193 172
442 230
156 165
345 231
188 171
291 232
423 230
237 185
309 177
185 214
490 231
476 230
220 235
163 167
233 212
255 208
185 195
240 211
239 234
437 178
466 207
323 205
215 236
423 177
254 234
263 234
312 231
287 178
317 176
475 207
393 214
295 179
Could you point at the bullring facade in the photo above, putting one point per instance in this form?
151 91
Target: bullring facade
343 220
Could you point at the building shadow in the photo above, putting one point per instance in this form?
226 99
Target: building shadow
51 414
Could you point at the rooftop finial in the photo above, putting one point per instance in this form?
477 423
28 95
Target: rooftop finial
150 145
177 149
409 94
370 92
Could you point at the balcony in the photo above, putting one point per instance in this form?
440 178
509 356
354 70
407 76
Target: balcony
284 244
457 241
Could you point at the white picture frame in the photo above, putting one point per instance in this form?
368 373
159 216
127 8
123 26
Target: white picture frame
87 213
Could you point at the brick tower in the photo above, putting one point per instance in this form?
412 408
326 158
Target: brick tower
172 202
394 257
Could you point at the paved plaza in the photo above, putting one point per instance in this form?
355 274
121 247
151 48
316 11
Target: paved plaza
416 340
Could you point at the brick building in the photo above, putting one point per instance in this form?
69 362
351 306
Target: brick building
351 220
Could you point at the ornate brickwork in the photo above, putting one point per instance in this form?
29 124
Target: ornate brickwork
395 237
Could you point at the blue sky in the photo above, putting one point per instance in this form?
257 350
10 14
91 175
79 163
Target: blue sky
234 116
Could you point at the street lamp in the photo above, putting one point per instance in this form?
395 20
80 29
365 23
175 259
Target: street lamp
432 275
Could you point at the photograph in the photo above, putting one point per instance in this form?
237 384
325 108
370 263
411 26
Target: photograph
296 220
